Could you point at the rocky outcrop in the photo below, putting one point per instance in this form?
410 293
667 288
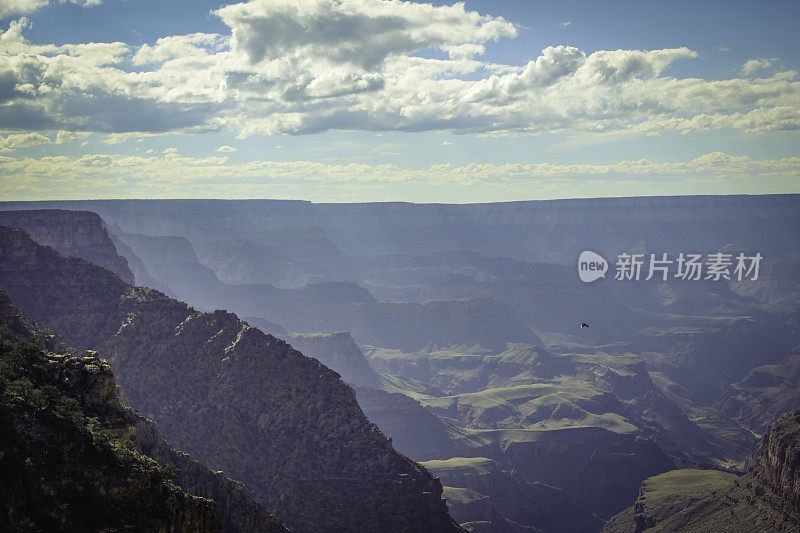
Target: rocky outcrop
194 497
778 465
237 507
767 498
266 326
11 323
65 465
337 351
763 394
72 233
241 401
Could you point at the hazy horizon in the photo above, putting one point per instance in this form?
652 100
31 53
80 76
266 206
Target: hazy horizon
303 200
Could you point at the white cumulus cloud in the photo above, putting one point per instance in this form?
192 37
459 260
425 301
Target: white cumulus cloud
291 68
63 136
9 8
752 65
359 32
173 175
22 140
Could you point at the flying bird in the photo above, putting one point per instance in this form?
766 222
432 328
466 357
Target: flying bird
584 325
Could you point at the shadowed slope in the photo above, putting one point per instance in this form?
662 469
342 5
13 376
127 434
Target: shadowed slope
75 459
238 399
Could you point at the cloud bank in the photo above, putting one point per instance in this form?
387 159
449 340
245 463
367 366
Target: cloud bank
10 8
304 67
171 174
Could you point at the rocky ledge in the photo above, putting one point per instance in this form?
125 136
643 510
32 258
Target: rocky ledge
74 457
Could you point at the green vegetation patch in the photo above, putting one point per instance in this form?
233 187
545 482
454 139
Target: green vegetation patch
461 465
668 493
65 466
460 496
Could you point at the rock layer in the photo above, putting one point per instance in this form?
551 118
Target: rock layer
72 233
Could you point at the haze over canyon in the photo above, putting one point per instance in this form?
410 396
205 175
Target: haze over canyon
401 366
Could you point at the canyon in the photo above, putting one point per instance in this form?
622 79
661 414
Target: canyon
449 334
219 389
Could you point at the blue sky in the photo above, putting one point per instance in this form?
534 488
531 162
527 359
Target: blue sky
369 100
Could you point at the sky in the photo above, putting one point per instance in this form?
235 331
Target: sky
376 100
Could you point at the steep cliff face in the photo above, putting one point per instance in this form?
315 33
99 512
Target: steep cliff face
74 234
598 468
778 464
111 466
236 506
337 351
65 465
236 398
12 326
767 498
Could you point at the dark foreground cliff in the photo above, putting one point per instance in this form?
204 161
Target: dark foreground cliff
73 458
239 400
767 498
